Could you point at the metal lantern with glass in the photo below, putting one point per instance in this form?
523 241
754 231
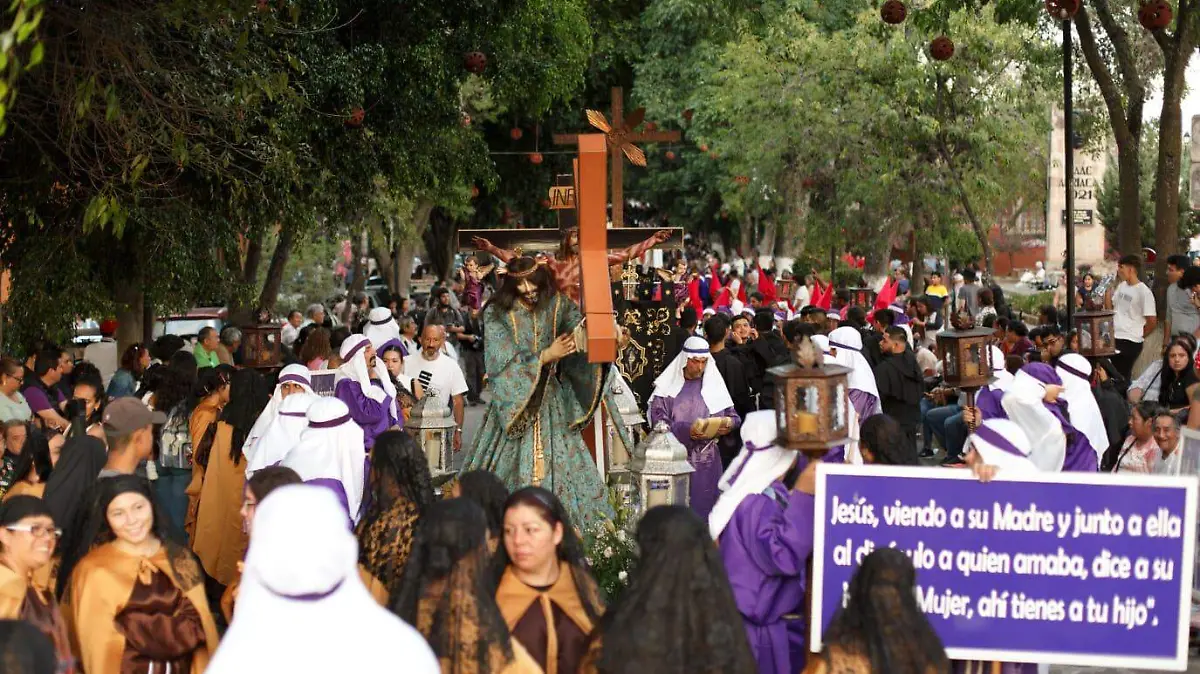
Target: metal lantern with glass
811 401
661 470
966 361
862 297
629 281
1095 330
261 346
431 424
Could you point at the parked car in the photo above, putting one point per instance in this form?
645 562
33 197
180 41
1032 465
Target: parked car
189 325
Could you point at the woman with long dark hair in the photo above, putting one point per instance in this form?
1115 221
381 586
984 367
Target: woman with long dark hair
219 541
211 394
1179 380
489 493
546 574
446 594
135 599
125 380
85 409
173 396
881 630
32 468
400 492
678 614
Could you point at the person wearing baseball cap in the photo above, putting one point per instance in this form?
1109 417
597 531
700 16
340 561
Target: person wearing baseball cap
129 425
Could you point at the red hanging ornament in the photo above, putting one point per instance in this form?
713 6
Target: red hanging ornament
535 158
516 133
545 203
475 62
1062 9
687 114
670 155
474 192
742 180
357 115
651 126
941 49
704 147
1155 15
893 12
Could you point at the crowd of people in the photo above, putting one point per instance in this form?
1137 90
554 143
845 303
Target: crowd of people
173 511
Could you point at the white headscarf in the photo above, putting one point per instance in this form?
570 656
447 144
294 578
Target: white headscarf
1022 402
301 594
822 342
354 367
759 464
381 327
292 374
712 389
1002 443
1002 375
331 447
736 306
1084 411
283 434
848 343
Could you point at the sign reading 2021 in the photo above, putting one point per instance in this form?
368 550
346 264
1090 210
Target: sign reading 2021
1065 568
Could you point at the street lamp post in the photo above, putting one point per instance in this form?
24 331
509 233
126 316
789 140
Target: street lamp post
1064 11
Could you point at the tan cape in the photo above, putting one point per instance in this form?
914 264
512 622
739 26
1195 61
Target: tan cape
100 586
516 598
14 592
219 541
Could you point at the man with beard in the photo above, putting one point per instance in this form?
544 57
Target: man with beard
565 269
358 385
439 374
542 394
899 380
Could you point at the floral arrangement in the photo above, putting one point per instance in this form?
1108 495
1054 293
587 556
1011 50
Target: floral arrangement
611 549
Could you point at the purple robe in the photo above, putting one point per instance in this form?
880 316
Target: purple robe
865 405
373 417
680 413
766 547
1080 457
988 402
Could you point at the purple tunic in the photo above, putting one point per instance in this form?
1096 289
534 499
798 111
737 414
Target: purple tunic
765 548
865 405
373 417
681 412
988 402
1080 457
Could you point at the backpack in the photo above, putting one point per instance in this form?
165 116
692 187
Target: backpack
175 441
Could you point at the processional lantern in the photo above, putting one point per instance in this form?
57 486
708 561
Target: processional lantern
862 297
661 470
432 426
812 402
966 360
1095 330
629 281
785 286
261 346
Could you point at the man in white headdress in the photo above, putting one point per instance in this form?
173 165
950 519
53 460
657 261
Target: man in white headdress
360 386
283 434
998 445
330 453
764 528
301 592
292 380
691 397
381 328
1076 374
846 346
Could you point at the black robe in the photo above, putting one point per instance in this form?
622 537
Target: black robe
900 384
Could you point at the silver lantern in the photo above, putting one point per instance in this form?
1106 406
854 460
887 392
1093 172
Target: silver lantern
630 416
661 470
432 425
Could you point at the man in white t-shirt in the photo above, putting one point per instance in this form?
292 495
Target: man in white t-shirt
1136 314
439 374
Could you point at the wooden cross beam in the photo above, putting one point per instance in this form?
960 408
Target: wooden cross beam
620 138
592 209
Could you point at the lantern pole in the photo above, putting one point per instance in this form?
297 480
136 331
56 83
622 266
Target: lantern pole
1068 166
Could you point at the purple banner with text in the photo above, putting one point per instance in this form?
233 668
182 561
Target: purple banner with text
1067 568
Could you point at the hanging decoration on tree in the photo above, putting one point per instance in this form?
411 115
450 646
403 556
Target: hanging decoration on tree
742 180
1155 15
535 158
1062 9
942 48
687 114
893 12
475 62
704 147
670 155
516 133
357 115
474 192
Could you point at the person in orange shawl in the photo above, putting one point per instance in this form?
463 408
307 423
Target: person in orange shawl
547 595
219 540
135 602
212 393
27 540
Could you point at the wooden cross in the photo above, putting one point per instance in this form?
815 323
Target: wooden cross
620 138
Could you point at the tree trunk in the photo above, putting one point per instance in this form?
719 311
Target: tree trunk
1124 105
360 274
441 243
406 252
916 280
1177 51
129 298
770 235
981 233
279 259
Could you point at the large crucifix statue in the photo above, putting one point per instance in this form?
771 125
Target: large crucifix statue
620 137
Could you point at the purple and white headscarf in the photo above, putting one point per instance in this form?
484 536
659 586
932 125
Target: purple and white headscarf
713 389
